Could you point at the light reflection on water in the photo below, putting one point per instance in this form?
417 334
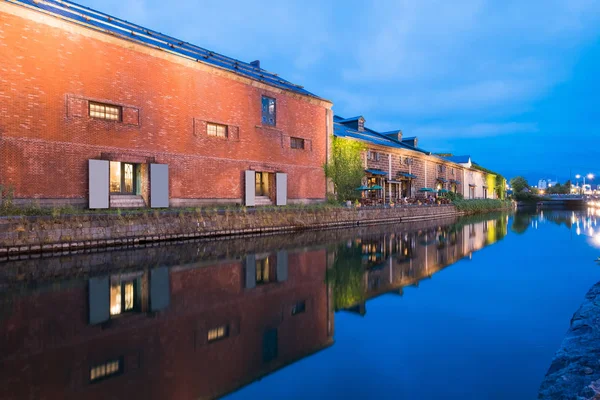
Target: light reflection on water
366 313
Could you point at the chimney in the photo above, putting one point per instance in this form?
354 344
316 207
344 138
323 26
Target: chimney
255 64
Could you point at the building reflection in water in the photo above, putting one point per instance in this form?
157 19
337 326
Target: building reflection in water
367 267
202 320
581 223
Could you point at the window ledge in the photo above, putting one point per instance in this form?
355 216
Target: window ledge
269 127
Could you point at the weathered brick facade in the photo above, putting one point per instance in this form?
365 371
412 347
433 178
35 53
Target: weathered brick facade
402 169
49 71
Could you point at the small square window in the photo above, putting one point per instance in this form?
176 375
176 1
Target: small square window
269 111
106 370
217 333
297 143
299 308
217 130
105 111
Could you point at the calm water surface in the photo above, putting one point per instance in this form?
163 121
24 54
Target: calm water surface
460 309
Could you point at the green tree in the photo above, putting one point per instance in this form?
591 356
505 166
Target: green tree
518 183
345 168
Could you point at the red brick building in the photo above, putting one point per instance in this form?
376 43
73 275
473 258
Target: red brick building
95 110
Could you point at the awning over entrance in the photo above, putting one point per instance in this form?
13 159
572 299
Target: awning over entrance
454 181
472 185
407 175
442 180
373 171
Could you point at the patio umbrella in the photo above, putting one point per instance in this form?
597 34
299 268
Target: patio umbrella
443 190
375 187
426 190
361 188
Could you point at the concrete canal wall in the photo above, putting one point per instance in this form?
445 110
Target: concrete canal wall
20 235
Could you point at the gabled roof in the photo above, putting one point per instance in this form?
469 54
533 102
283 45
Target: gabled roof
344 120
368 135
458 159
99 21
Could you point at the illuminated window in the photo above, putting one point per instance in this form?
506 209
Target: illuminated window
105 111
299 307
218 333
265 272
123 297
268 111
106 370
296 143
217 130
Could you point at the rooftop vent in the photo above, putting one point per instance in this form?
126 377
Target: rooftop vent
255 63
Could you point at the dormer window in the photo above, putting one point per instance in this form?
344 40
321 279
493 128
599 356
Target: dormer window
361 124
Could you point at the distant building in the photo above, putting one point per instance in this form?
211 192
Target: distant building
544 184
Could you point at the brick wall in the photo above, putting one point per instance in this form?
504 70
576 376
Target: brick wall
423 166
50 69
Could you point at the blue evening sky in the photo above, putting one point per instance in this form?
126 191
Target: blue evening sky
512 83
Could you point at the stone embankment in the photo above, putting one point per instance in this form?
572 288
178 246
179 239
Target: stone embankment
575 370
19 235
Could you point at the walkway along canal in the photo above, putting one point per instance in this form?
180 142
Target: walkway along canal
424 309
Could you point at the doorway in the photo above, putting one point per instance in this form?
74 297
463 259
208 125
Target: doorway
262 184
122 178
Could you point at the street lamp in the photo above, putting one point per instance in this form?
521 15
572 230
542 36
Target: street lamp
590 176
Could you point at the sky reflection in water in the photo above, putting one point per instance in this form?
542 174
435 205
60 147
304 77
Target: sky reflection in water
473 308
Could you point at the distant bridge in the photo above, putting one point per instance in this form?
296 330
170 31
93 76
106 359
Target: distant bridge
569 201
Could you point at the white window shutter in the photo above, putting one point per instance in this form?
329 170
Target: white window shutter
160 292
281 185
250 271
159 185
98 300
250 188
282 266
98 184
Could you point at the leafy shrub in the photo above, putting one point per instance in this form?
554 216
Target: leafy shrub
453 196
527 197
481 205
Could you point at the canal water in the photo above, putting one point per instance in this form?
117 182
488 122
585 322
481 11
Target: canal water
473 308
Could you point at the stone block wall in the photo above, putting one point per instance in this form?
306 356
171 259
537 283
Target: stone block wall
20 235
